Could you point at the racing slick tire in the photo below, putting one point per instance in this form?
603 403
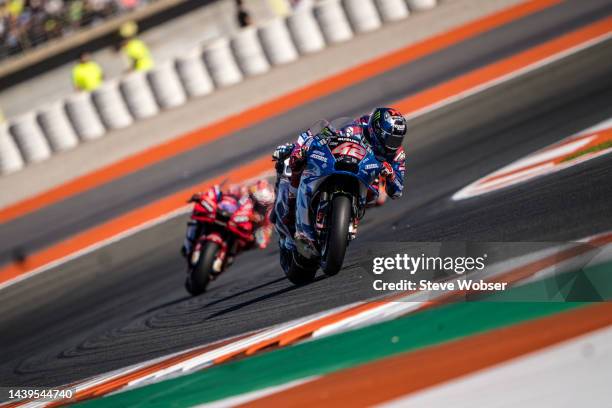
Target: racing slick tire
337 236
199 277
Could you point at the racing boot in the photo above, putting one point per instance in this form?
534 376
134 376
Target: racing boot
306 247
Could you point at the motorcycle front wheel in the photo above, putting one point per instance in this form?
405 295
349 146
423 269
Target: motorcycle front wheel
199 278
337 236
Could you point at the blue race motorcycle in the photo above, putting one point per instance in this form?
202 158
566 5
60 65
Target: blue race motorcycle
340 168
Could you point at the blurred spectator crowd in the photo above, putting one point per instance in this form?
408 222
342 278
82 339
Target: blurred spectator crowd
25 24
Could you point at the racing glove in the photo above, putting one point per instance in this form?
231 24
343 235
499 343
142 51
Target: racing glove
387 172
282 152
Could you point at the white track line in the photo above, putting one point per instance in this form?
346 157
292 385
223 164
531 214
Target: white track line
536 164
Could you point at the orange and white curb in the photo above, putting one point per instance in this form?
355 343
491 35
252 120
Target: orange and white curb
562 155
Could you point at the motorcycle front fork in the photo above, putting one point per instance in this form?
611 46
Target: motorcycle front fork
227 258
320 219
224 258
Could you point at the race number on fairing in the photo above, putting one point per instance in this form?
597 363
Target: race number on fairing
350 149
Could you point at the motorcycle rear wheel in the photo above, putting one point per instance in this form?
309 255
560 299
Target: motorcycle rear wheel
337 236
199 278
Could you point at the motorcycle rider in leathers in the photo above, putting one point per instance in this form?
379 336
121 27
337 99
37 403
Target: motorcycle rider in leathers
383 128
258 192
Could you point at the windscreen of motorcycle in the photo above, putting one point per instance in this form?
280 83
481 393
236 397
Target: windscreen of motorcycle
341 122
333 126
347 143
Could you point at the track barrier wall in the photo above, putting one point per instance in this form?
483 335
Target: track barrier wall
82 117
111 106
56 127
138 96
193 74
249 53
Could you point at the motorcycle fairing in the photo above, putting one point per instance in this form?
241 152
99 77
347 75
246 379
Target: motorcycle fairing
322 163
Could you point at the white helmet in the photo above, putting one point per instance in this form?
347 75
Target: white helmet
262 192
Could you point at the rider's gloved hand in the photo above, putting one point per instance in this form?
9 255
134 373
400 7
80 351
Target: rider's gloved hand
282 152
387 172
298 158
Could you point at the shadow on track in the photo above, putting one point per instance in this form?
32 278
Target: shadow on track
217 301
260 298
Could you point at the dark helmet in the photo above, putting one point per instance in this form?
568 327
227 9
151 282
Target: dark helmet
387 128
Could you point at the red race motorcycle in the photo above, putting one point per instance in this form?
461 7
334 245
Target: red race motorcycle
225 228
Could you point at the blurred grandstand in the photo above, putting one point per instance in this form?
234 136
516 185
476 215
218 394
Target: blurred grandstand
26 24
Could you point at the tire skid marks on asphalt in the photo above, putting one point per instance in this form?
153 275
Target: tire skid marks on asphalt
516 271
559 156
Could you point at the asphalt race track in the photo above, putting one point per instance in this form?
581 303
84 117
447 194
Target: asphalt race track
125 303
